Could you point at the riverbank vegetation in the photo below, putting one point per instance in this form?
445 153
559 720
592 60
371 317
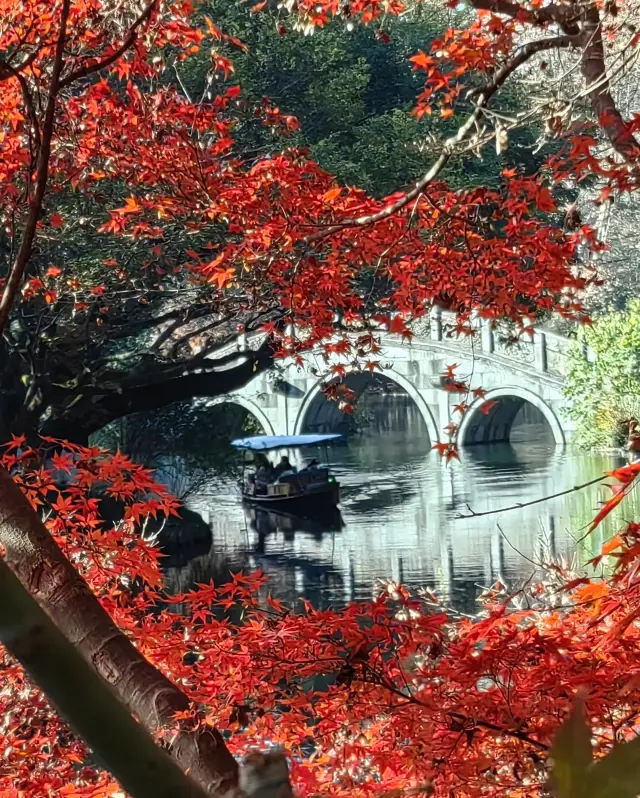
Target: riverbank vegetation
603 379
165 237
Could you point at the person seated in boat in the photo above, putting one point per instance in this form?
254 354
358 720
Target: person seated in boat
310 468
264 471
284 468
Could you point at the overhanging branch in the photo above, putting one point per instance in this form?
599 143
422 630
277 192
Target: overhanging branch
483 95
158 388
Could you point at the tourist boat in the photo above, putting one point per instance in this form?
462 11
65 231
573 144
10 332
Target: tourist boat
310 490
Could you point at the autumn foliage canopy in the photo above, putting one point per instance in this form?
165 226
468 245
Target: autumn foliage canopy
273 233
399 693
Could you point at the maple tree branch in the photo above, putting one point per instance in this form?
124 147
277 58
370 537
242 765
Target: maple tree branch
472 514
36 560
175 383
485 724
592 62
522 55
594 71
119 742
390 210
132 35
7 70
459 717
16 273
483 95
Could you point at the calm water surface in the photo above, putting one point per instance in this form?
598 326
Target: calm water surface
401 518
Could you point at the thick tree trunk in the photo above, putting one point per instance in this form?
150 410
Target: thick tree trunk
44 571
594 69
117 740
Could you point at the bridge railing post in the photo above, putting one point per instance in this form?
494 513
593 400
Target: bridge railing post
540 350
487 339
436 323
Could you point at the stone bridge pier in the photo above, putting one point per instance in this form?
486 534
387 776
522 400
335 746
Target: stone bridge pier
291 400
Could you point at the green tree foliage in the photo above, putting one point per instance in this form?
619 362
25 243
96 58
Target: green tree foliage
352 90
603 381
200 448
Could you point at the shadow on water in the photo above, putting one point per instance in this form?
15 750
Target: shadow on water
268 522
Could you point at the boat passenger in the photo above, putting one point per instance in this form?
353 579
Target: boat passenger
310 466
263 472
283 468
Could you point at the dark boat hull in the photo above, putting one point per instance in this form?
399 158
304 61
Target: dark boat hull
310 501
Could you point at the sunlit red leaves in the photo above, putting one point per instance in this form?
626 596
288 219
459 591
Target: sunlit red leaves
131 206
277 216
487 407
372 650
332 194
272 208
447 450
625 476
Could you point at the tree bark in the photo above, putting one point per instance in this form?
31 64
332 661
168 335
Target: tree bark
594 70
33 556
119 742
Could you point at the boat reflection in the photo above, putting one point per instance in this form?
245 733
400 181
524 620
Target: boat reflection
270 522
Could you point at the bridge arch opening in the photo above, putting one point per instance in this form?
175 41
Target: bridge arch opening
382 401
510 415
253 421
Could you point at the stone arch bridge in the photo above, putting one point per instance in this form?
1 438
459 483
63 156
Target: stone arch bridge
288 402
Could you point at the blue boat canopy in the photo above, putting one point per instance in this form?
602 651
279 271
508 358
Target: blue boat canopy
267 442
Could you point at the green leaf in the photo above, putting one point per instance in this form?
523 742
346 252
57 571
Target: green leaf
616 775
571 755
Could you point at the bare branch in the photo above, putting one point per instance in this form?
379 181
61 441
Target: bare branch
519 505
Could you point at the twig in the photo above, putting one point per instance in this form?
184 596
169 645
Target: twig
472 514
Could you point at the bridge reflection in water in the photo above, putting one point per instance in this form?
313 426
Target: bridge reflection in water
400 517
